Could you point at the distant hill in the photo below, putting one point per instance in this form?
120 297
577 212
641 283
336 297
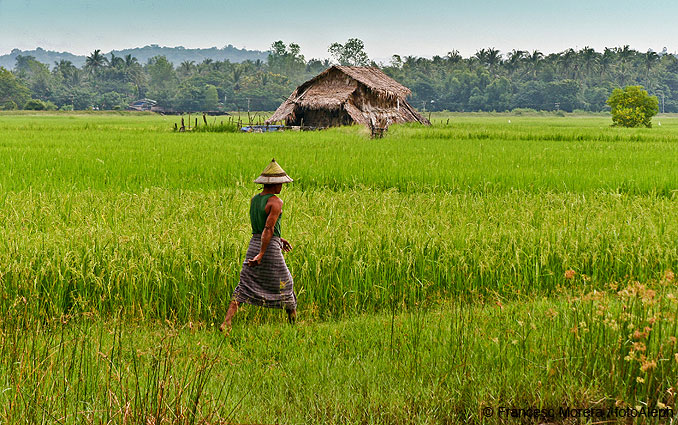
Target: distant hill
176 55
41 55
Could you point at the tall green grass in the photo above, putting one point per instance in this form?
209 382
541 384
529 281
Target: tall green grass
177 254
609 349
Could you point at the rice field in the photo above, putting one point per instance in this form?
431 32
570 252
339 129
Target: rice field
451 364
122 153
481 262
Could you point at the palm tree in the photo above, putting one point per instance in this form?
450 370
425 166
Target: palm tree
480 57
606 60
589 59
237 72
186 68
515 57
567 62
424 65
453 57
133 72
410 62
493 59
534 61
206 65
95 62
650 58
68 72
116 61
625 55
130 61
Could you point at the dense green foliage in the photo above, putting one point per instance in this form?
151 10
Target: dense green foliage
12 92
633 107
486 81
351 53
567 80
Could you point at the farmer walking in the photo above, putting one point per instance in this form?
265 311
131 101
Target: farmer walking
265 279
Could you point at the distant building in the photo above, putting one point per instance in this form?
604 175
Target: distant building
142 105
344 95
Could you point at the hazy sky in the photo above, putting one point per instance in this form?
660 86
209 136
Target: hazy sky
421 28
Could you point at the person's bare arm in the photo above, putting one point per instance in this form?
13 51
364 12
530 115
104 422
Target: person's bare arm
274 208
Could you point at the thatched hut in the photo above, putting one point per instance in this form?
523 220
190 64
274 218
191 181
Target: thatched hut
343 95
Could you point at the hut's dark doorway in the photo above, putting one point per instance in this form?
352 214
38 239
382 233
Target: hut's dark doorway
320 117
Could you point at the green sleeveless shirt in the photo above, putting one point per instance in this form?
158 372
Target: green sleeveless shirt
258 215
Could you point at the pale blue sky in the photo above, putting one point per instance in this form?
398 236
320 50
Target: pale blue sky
421 28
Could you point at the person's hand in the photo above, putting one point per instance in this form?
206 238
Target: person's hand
286 246
255 261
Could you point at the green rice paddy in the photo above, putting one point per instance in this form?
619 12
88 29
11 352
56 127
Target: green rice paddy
439 271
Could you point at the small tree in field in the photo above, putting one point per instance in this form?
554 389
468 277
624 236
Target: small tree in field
632 107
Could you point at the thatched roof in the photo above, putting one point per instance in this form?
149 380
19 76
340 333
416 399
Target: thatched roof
373 78
338 87
330 95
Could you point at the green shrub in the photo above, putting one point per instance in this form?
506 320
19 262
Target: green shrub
632 107
9 105
526 111
218 128
35 105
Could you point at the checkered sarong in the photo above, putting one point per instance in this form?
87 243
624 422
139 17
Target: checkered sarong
270 283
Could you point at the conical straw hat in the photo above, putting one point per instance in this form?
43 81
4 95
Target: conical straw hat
273 174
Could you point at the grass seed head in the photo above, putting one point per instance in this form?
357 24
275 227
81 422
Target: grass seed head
648 365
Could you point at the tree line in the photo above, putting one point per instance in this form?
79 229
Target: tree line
489 80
